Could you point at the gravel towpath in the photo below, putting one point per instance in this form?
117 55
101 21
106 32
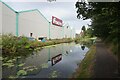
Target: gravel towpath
106 65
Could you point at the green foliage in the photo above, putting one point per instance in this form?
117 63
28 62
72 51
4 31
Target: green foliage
21 73
1 58
0 41
87 62
83 28
21 46
9 44
77 40
44 65
8 62
12 45
30 69
12 77
22 64
89 32
9 65
105 19
86 40
113 44
54 74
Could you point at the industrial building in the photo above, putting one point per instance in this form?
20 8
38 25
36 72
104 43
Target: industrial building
32 23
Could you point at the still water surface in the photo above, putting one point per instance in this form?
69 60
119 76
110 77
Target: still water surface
59 61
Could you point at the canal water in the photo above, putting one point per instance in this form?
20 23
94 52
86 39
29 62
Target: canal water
59 61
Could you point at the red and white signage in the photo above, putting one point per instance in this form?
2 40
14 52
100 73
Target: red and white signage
56 21
56 59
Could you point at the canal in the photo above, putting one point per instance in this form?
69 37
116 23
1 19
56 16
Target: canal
58 61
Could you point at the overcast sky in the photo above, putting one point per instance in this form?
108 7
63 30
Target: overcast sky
63 9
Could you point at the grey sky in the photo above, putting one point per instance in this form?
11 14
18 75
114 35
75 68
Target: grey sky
63 9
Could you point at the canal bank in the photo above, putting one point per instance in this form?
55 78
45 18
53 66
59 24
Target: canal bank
99 62
85 67
12 45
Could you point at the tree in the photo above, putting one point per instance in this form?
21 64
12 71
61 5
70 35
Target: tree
83 28
89 32
104 16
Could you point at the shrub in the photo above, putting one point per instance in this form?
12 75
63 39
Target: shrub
20 45
9 44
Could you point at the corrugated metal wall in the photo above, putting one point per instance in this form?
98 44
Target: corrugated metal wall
8 20
73 33
67 32
56 32
0 17
33 22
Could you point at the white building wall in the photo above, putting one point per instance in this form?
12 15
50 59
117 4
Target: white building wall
33 22
67 32
73 33
56 32
8 20
0 17
0 38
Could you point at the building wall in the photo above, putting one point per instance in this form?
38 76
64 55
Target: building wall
8 20
0 17
0 38
67 32
73 33
33 22
56 32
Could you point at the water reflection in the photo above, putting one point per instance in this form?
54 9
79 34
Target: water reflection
62 58
56 59
83 47
66 52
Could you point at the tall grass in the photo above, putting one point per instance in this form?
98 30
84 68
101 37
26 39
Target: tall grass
12 45
85 67
113 44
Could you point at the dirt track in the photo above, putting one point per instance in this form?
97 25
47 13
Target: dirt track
106 65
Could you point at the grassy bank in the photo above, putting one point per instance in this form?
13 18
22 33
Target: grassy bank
85 40
112 44
84 70
12 45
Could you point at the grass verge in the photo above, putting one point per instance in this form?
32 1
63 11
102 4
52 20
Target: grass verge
18 46
85 67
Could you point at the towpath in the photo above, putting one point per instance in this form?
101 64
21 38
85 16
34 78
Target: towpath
106 64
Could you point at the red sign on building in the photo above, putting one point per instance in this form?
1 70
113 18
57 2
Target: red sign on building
56 21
